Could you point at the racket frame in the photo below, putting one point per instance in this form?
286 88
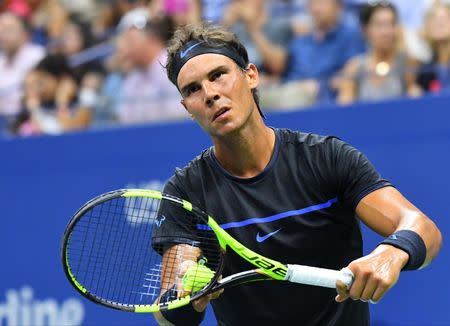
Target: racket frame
121 193
267 269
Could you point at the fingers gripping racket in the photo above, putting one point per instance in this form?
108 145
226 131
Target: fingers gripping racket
145 251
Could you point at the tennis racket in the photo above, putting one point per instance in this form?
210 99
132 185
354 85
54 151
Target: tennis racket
144 251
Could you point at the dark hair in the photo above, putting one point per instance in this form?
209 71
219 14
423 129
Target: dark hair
84 29
212 36
367 11
55 65
162 27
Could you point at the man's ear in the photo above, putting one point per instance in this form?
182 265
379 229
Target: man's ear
185 107
252 74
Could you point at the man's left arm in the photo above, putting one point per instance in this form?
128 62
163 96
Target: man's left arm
387 211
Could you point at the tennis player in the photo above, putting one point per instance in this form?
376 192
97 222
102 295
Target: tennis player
307 191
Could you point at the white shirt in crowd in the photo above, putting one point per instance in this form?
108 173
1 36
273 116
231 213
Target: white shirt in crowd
12 75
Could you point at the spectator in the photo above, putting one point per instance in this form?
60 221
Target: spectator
18 7
213 10
409 16
381 72
47 20
111 13
330 40
50 100
275 24
85 10
17 57
411 19
85 65
147 95
117 66
182 11
434 76
311 59
76 37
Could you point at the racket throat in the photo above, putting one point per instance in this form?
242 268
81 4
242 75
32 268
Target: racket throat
241 278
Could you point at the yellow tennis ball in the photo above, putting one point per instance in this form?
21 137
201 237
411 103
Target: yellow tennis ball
196 277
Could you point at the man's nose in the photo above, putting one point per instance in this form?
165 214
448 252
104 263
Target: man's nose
211 93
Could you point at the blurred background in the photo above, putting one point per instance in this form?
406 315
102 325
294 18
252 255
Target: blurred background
73 65
374 73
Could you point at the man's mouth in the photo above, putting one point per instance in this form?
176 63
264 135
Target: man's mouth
220 112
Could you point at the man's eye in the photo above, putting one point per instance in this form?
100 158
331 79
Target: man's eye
191 90
216 75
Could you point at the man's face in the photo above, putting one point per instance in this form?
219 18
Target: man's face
137 47
324 12
12 33
41 85
217 93
72 39
381 30
438 24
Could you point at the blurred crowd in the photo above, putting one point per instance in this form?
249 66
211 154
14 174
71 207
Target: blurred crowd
70 65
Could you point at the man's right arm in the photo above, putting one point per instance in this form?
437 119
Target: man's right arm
176 260
171 272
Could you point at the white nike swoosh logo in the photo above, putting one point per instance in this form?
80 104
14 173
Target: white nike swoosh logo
185 52
265 237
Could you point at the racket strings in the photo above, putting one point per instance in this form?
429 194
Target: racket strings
189 262
109 250
115 251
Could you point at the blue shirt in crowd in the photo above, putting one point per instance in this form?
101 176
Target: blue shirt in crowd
321 59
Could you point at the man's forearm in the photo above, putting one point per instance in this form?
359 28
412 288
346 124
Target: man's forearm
429 233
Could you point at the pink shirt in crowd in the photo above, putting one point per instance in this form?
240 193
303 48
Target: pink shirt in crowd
149 96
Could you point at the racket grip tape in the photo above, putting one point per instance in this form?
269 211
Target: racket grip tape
319 276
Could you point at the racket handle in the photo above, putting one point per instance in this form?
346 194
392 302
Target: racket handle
318 276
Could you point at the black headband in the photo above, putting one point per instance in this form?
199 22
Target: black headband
195 48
